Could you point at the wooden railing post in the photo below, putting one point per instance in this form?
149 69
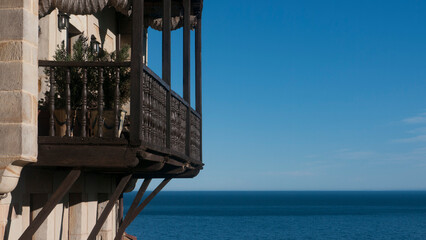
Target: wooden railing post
84 104
68 103
166 68
187 72
117 103
136 73
52 103
101 102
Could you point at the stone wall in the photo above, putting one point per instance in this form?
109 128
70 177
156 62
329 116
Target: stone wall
18 88
18 96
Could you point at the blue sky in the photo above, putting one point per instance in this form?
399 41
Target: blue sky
310 95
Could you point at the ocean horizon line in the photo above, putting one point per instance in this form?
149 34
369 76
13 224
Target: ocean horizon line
361 190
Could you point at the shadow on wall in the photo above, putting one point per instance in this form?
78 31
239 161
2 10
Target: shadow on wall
107 21
34 189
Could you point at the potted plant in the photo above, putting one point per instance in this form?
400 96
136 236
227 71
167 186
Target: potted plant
81 52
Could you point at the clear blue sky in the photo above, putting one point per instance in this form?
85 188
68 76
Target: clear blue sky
310 95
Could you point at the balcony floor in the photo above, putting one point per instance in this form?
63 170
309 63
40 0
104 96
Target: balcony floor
114 155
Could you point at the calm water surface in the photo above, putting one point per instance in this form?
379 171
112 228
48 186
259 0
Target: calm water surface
281 215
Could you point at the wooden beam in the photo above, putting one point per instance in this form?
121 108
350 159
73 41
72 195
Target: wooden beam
176 170
93 156
109 206
148 199
132 215
121 210
149 167
139 195
150 156
127 220
81 64
166 68
51 203
189 173
136 75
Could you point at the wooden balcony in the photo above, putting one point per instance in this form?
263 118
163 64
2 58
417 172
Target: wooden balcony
161 138
168 135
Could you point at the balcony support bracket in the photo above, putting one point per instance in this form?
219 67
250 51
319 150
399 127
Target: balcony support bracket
134 211
101 220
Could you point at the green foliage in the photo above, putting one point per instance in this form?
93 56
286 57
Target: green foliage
81 52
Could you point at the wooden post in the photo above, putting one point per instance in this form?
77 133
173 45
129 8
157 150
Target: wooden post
51 203
198 90
145 47
186 51
187 71
166 69
136 76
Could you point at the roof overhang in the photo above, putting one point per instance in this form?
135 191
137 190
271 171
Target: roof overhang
153 9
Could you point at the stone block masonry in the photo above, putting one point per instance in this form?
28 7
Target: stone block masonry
18 88
18 95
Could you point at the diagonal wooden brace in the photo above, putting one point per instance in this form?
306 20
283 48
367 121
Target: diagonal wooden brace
51 203
131 215
135 203
109 206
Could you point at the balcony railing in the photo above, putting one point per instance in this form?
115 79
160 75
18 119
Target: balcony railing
87 117
154 119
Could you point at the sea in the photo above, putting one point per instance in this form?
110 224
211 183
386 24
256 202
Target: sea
209 215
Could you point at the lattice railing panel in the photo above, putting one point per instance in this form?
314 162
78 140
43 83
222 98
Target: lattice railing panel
178 125
153 111
195 149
